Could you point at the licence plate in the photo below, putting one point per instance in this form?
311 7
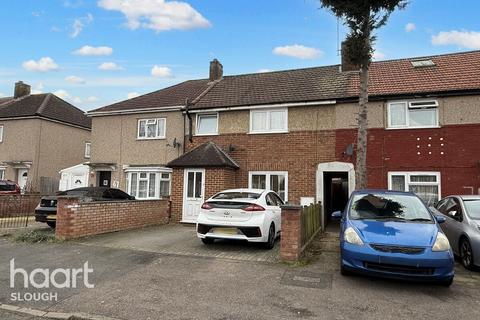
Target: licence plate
229 231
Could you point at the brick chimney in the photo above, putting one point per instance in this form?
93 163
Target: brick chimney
347 65
21 90
216 70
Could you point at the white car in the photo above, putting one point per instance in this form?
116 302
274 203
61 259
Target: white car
241 214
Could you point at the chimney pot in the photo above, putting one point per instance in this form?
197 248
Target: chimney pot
347 64
216 70
21 90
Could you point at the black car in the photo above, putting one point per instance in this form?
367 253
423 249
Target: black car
46 211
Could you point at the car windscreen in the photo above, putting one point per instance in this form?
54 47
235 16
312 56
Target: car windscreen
236 195
389 207
473 208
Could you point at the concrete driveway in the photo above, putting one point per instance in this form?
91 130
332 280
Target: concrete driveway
182 240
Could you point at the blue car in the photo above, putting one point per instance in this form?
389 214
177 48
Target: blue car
393 234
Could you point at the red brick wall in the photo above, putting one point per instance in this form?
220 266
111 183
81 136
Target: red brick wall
299 153
397 150
290 242
216 180
76 219
14 205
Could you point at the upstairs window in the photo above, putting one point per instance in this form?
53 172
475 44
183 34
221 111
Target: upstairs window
207 124
151 128
269 121
88 150
414 114
2 173
1 133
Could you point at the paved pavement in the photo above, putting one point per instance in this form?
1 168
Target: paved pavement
137 284
182 240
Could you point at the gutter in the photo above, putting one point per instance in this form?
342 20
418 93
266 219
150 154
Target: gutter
266 106
133 111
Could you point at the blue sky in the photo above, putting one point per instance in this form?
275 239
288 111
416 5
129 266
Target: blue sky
96 52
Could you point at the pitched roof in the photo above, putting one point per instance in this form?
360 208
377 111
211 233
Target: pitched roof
45 105
205 155
451 72
167 97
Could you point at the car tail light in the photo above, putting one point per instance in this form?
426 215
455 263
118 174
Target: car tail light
254 207
206 206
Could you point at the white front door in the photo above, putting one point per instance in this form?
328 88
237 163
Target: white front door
22 178
193 194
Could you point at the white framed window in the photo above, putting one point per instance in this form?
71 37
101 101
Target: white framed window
269 120
207 124
412 114
2 173
1 133
271 180
144 184
88 150
151 128
426 185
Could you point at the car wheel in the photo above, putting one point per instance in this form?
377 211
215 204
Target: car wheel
208 240
344 272
51 224
447 283
271 238
466 254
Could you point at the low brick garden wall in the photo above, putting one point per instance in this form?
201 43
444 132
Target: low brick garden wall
76 219
18 204
299 226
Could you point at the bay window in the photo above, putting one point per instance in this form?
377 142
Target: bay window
271 180
151 128
425 185
269 120
148 184
413 114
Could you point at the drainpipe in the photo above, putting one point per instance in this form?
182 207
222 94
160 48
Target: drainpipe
189 116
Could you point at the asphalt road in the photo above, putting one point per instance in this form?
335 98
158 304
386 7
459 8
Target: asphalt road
133 284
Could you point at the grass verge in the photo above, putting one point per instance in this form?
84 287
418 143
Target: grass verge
36 236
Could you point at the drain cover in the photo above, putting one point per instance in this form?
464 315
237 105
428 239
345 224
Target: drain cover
307 279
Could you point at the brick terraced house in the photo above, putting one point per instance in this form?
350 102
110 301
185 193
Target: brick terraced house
295 131
40 134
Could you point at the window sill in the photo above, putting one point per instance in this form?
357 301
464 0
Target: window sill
268 132
148 139
412 128
205 134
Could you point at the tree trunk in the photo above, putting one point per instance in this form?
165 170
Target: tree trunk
362 135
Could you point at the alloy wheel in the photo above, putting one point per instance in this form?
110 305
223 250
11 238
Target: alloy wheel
466 254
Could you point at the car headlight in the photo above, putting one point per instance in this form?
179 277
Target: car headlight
441 243
352 237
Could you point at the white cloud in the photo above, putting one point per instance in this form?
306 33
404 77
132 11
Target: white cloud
298 51
159 15
161 72
378 55
109 66
131 95
94 51
2 94
92 99
43 65
38 88
263 70
65 95
409 27
75 79
79 24
464 39
62 94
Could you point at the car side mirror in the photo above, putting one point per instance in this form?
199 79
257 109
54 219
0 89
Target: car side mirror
337 215
440 218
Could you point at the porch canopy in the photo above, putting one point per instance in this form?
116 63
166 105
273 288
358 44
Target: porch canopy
204 156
